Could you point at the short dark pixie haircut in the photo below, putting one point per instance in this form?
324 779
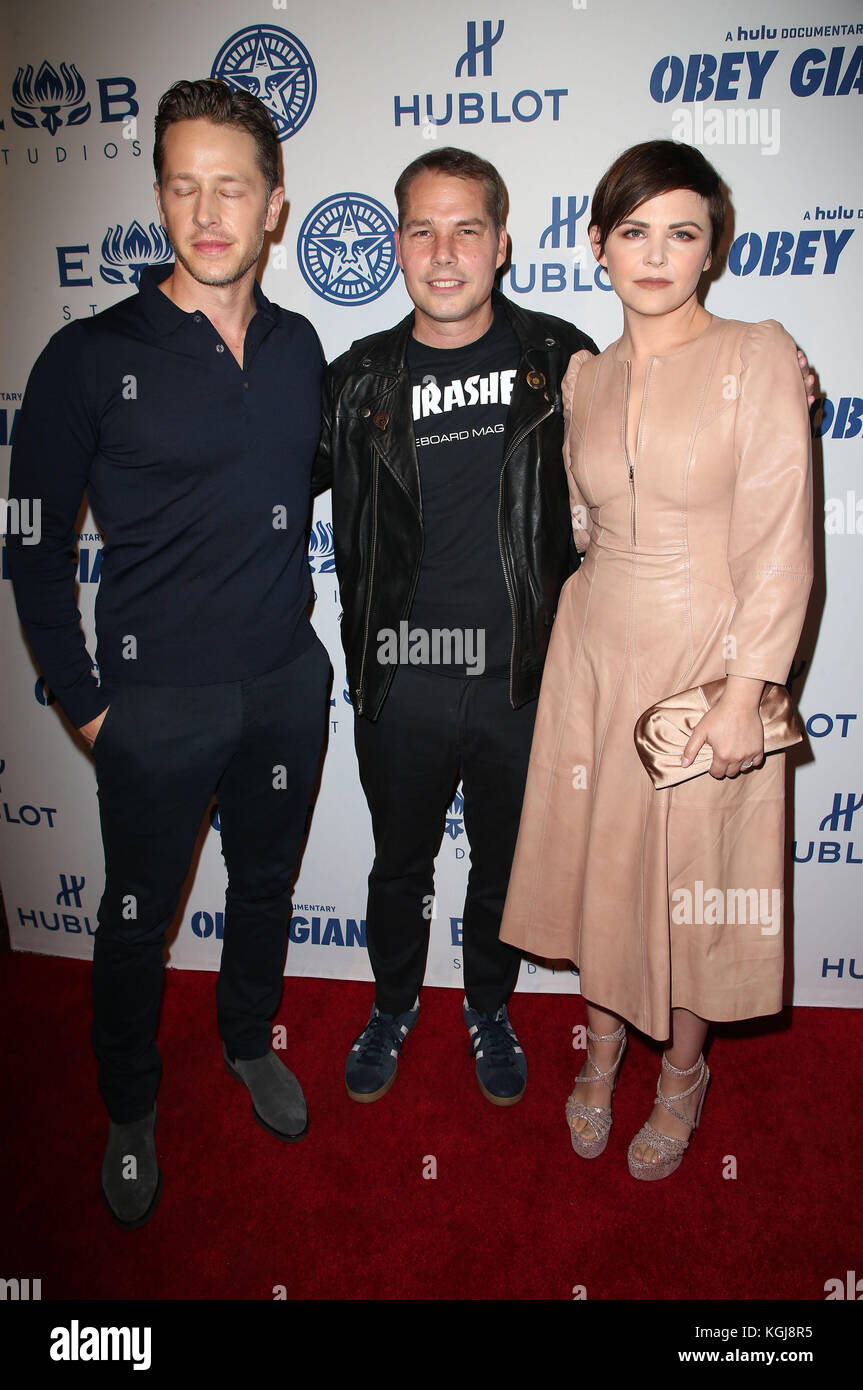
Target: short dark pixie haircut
460 164
210 100
644 171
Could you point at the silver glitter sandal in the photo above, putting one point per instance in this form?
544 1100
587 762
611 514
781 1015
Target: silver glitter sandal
599 1117
670 1149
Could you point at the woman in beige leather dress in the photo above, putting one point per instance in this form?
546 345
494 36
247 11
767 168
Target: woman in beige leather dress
688 456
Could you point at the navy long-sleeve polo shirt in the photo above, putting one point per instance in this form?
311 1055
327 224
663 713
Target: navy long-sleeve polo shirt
197 471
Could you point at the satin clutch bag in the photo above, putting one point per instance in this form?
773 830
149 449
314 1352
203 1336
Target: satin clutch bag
662 732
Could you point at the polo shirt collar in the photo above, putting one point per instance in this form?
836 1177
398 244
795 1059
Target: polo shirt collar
165 315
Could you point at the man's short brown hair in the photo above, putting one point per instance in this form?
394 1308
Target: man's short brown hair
459 164
210 100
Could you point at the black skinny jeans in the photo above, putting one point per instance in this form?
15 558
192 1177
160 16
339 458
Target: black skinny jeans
434 729
160 754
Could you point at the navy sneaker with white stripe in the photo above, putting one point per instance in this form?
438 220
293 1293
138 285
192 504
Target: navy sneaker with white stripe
501 1066
373 1060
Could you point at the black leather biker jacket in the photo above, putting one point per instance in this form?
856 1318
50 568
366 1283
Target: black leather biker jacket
367 455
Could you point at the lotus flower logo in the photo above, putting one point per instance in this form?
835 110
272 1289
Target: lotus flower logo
50 92
455 816
125 254
321 557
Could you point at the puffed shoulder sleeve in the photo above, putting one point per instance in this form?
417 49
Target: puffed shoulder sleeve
571 437
770 537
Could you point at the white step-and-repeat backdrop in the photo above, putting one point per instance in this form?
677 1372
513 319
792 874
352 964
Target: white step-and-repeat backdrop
550 92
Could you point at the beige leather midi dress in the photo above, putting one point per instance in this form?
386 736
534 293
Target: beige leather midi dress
698 565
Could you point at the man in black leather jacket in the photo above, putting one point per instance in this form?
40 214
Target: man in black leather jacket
442 442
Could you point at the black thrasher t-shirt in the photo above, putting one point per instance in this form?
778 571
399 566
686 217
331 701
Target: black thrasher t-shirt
461 619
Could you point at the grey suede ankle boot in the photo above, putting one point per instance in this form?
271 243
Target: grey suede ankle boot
278 1103
131 1180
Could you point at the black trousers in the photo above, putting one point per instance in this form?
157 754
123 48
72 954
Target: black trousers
160 754
432 730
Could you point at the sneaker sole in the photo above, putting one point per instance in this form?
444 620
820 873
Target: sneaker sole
276 1133
365 1097
500 1100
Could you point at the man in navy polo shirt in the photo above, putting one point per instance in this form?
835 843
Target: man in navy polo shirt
190 414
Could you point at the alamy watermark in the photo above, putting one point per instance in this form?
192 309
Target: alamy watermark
717 907
21 516
714 125
436 646
77 1343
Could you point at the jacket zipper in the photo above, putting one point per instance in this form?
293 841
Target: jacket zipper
423 544
503 558
359 689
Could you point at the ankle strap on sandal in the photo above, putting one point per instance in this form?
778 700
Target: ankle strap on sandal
606 1037
678 1071
605 1076
666 1101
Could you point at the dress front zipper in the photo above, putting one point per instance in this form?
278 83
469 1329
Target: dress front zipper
630 463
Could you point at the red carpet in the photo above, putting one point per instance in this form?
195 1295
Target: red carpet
347 1213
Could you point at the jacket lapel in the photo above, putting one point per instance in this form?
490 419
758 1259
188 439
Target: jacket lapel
532 399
